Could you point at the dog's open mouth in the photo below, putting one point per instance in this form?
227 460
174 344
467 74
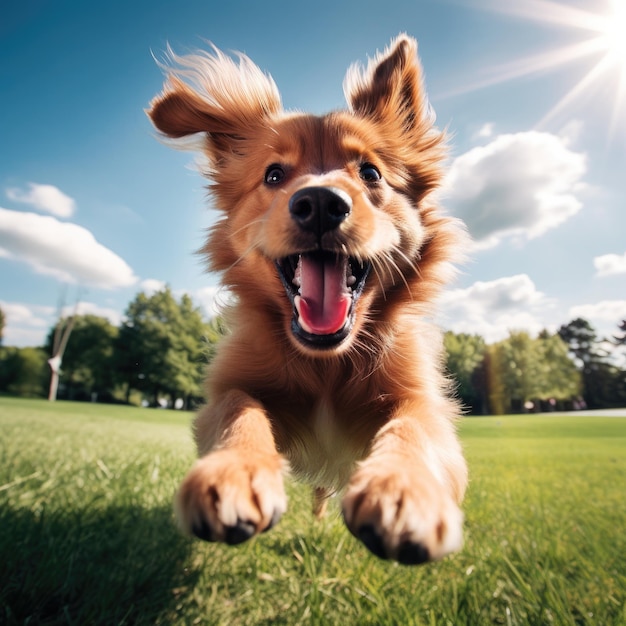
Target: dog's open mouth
323 288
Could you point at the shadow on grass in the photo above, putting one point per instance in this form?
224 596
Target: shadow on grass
112 565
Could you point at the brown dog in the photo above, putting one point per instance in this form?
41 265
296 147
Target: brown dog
333 247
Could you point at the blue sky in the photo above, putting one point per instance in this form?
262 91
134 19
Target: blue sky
94 207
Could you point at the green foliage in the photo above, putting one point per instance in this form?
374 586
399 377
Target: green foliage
465 358
88 357
551 371
581 340
524 370
23 371
558 376
498 400
88 535
160 351
505 376
520 368
604 383
216 329
161 346
2 325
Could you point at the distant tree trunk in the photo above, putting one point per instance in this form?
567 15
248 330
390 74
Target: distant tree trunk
55 366
60 343
155 398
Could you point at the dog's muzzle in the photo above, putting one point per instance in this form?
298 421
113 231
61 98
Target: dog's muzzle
323 285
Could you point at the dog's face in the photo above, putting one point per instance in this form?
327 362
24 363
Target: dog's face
325 218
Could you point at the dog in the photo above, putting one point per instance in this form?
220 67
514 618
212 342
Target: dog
333 246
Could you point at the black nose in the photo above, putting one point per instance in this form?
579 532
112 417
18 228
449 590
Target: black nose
320 209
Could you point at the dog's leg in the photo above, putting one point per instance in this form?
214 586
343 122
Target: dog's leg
320 501
235 490
402 500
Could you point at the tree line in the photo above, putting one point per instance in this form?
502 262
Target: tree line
158 354
571 369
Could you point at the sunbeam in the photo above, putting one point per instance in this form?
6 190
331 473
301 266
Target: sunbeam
603 39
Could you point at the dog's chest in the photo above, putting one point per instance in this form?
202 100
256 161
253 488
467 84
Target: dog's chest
327 453
326 428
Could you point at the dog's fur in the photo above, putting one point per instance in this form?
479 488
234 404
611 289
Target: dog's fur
352 398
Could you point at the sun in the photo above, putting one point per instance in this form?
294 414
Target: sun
614 32
600 36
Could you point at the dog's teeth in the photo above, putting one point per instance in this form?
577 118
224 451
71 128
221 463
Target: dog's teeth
296 282
351 281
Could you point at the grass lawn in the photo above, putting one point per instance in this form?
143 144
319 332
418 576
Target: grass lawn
87 537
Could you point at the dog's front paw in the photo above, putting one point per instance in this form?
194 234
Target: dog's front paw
403 516
231 495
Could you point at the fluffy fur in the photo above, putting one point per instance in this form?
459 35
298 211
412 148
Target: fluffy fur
347 392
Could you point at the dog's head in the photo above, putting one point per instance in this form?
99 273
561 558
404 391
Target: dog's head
326 219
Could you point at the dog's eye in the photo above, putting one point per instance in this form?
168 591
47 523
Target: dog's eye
369 173
274 174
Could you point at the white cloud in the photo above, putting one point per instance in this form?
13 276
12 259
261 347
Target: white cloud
212 299
485 131
26 325
604 316
611 311
522 184
89 308
46 198
152 285
66 251
610 264
571 132
492 309
25 315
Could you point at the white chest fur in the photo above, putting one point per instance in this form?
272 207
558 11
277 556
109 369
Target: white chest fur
325 456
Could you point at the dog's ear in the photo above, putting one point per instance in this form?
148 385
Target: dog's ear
212 94
390 93
390 87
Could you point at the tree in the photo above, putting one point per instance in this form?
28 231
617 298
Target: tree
23 371
620 342
217 329
520 363
560 379
63 330
87 361
161 348
603 381
581 340
465 355
497 400
2 325
524 372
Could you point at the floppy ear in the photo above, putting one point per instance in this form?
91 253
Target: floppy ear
212 94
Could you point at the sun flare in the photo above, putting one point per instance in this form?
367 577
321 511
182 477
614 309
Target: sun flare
615 32
600 36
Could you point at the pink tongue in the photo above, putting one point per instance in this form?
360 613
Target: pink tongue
324 301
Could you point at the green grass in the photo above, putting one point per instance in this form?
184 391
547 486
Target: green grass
87 536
